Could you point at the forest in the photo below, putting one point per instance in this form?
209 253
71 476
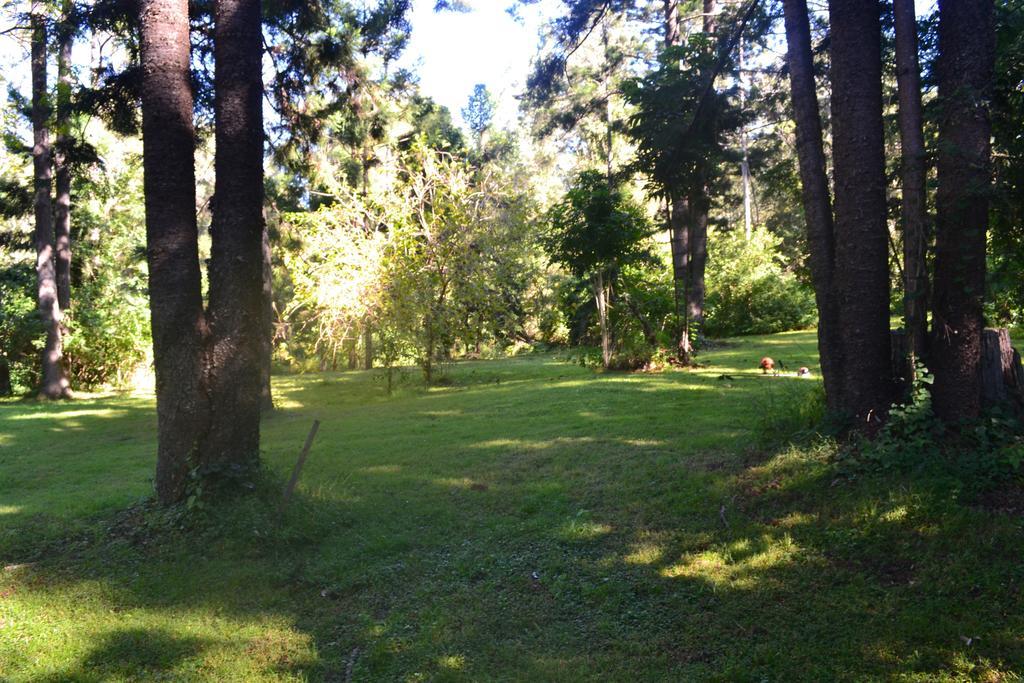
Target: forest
688 355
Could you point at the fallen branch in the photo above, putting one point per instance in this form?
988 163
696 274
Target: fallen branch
298 465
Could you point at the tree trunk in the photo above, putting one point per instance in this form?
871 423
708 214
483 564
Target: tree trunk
236 257
700 204
695 290
913 207
368 346
1002 378
679 226
861 233
5 377
815 194
352 353
62 208
965 66
54 382
601 300
672 35
267 336
710 18
175 295
745 163
678 218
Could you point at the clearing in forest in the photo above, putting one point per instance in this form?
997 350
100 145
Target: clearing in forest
529 520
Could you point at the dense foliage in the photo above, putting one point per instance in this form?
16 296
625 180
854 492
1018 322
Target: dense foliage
749 290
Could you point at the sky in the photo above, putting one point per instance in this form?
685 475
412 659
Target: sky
452 52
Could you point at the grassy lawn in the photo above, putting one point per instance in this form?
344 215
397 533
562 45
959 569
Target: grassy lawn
533 520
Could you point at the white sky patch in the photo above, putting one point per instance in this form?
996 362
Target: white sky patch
452 52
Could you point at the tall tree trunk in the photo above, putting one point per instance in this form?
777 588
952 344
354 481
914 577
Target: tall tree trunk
700 204
236 258
54 382
745 163
679 236
267 320
695 290
606 84
815 194
861 233
678 217
672 34
966 62
175 295
913 207
62 208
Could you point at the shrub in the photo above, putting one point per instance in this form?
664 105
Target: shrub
749 292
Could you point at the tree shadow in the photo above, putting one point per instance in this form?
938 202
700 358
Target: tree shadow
132 654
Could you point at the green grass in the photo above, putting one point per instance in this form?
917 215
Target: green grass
532 521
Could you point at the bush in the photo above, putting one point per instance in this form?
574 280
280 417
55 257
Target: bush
749 292
20 328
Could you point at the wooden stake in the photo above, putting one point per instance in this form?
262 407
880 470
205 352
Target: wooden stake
298 465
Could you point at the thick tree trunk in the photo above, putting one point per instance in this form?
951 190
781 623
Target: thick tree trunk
267 335
700 205
966 58
62 207
54 382
672 35
175 295
817 202
236 258
678 218
861 233
1002 377
913 207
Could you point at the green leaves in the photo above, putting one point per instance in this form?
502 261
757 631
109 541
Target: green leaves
596 227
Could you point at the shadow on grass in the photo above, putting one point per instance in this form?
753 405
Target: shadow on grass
132 654
548 524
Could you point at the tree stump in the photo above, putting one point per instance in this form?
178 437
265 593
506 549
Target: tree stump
1002 376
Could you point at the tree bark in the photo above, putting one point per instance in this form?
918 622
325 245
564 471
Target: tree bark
175 295
62 207
672 34
745 163
236 259
1002 378
695 290
368 345
5 377
678 218
861 233
679 237
913 205
600 287
966 63
54 382
267 320
700 205
817 203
